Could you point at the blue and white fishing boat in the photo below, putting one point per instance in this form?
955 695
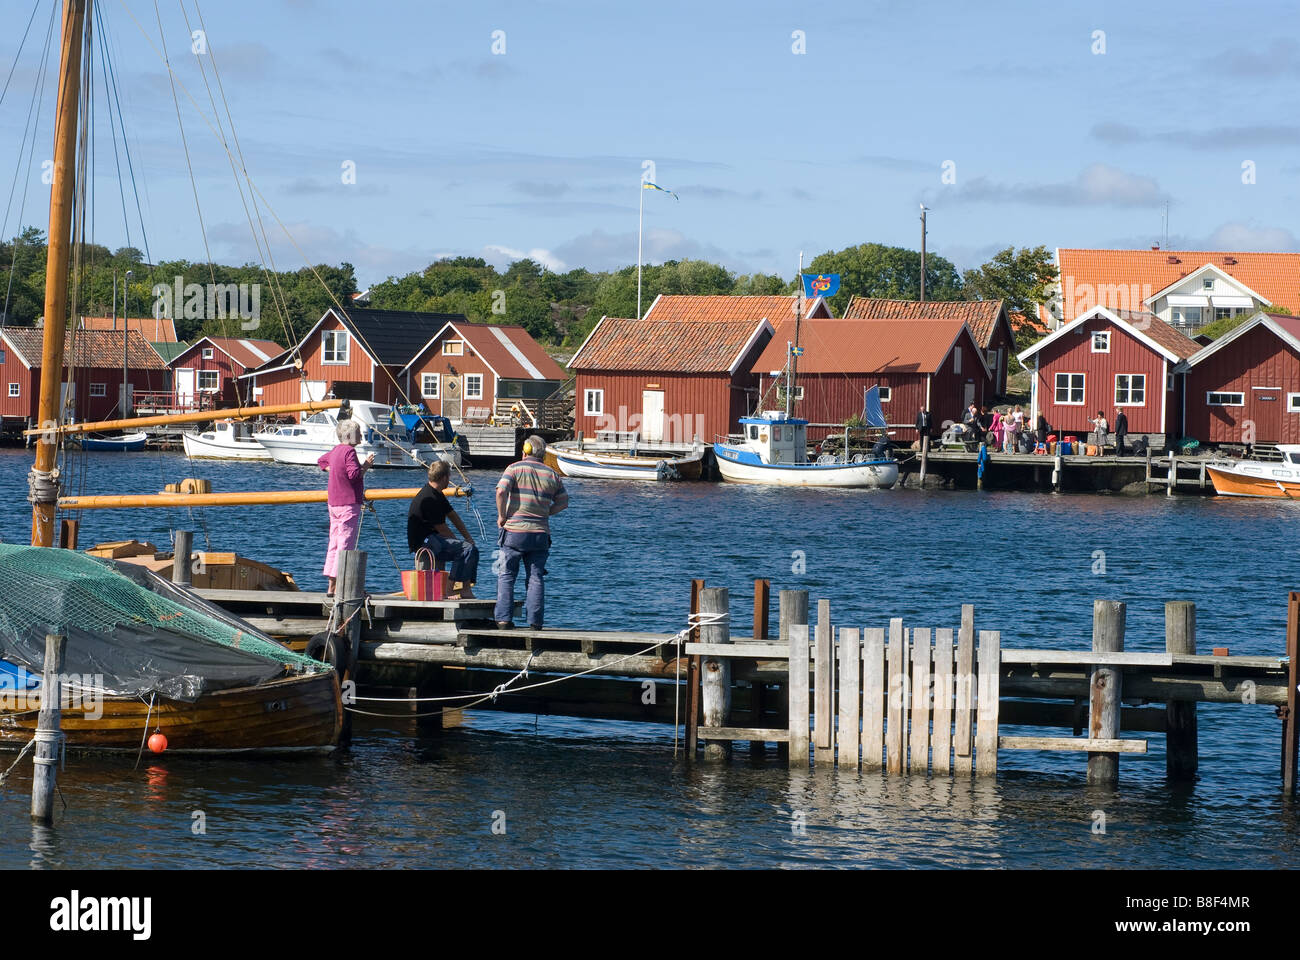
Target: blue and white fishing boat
127 442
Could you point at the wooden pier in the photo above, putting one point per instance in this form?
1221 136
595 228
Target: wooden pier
899 698
1024 471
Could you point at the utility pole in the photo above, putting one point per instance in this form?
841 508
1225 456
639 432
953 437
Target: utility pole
923 212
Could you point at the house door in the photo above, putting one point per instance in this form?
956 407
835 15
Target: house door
184 386
1266 411
451 395
652 415
967 396
308 390
67 400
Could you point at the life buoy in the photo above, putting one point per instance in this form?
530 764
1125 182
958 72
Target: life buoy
762 436
328 648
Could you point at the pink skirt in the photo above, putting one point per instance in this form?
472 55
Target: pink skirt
345 524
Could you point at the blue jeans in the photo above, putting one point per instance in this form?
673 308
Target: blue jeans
532 550
462 556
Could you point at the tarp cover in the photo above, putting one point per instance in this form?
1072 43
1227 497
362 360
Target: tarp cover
138 633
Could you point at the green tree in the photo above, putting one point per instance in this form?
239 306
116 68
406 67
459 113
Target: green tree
1022 279
875 270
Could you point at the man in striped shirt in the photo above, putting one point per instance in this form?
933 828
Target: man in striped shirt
528 494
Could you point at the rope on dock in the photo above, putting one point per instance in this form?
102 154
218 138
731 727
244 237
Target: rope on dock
22 753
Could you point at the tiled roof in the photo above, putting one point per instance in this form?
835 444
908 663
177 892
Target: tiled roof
153 329
667 346
1290 324
722 308
99 349
493 342
1162 333
1275 276
863 346
247 353
980 315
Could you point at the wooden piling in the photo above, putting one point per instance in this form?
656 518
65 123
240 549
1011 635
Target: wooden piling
979 473
987 701
1181 750
824 687
1172 478
1058 464
873 698
925 459
919 741
792 608
715 673
1291 726
349 597
961 737
49 736
182 548
693 678
850 699
68 529
1104 685
798 689
758 689
941 740
896 690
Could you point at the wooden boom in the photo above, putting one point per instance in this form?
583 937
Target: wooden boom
162 419
248 498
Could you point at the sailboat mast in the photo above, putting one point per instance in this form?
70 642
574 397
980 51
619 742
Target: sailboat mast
794 354
44 486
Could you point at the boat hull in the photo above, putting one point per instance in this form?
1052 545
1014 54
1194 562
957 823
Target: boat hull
1256 479
127 443
881 474
196 446
307 453
287 715
570 461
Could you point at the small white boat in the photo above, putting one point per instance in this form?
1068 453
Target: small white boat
123 443
773 450
383 433
1259 478
614 466
227 440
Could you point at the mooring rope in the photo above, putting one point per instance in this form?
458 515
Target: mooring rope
22 753
144 736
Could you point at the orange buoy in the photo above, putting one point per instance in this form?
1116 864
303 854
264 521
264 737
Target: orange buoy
158 743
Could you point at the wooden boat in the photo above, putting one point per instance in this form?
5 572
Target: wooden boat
590 461
772 451
225 441
1259 478
210 569
126 443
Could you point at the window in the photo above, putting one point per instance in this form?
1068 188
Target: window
1130 389
1187 316
1207 283
473 386
1101 341
334 346
453 348
885 394
1293 403
207 353
593 402
753 432
956 360
209 381
429 385
99 390
776 434
1069 388
1223 313
1225 399
13 389
782 390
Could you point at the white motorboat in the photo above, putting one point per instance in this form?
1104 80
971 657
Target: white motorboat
773 450
227 440
394 438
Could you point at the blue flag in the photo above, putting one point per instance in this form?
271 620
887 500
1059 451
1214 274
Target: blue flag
821 285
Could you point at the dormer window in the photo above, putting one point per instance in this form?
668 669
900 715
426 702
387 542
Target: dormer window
1101 341
453 348
207 353
334 346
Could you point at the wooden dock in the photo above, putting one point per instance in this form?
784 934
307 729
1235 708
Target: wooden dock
1024 471
899 698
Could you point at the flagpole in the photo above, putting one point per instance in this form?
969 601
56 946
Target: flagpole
794 357
640 218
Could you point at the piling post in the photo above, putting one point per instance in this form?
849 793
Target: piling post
715 675
693 677
183 546
1180 716
1058 462
798 693
979 471
349 597
68 533
1104 689
925 458
49 736
793 608
824 687
1172 479
758 689
1291 726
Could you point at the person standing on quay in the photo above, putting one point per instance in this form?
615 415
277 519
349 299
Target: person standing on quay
347 494
1121 431
529 493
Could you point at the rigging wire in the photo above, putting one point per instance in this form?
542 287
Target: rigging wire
21 43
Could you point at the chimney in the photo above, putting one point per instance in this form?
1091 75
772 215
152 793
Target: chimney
1155 246
1229 261
1172 259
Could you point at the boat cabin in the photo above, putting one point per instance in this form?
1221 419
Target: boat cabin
773 438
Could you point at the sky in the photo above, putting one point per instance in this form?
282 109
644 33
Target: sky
503 130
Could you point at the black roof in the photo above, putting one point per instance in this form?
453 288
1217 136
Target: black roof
392 337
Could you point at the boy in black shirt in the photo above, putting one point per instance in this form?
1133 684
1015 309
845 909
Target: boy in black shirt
426 526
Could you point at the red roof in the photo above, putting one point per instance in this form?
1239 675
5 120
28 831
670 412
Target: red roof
1142 273
95 349
153 329
247 353
980 315
723 308
507 348
864 346
667 346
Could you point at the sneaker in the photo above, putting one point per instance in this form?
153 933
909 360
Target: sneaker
505 625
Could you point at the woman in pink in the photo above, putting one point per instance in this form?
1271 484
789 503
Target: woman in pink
347 494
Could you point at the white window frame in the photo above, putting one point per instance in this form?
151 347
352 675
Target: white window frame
98 390
208 353
477 394
1210 402
1101 333
1292 402
593 402
330 336
198 381
430 380
885 394
15 390
1207 283
447 350
1069 388
1131 402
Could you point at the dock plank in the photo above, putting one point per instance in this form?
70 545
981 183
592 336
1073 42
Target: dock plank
961 736
896 687
986 724
1073 744
919 741
850 698
798 696
941 740
873 695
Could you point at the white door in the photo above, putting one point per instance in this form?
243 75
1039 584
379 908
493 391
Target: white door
652 415
184 387
310 390
67 397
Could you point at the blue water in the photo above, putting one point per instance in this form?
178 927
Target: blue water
588 793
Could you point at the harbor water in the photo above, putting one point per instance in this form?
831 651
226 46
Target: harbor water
514 790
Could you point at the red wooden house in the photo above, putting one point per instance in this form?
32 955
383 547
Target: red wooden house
469 370
94 359
669 380
988 320
207 373
1245 386
935 363
1109 361
354 355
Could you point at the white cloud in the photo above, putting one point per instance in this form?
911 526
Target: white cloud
494 252
1248 237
